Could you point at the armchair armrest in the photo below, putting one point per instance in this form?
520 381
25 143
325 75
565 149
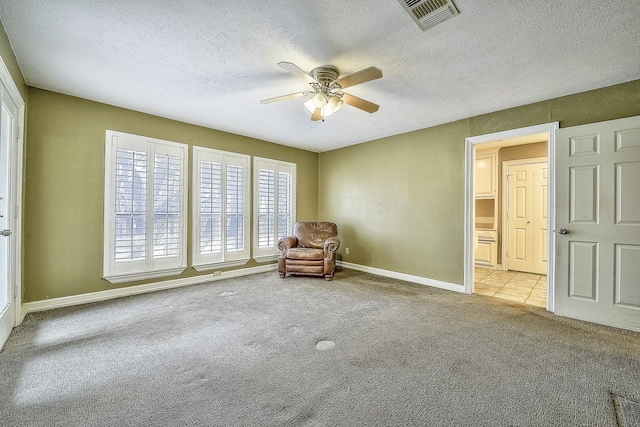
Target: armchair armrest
331 246
285 243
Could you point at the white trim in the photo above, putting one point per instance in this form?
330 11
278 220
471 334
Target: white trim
22 312
15 213
402 276
267 258
219 265
6 78
143 275
504 229
469 215
17 228
31 307
469 205
551 209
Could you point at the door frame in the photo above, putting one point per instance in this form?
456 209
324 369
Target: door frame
469 198
505 203
16 180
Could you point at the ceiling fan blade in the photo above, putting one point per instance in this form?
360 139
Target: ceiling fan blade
317 115
360 103
283 97
294 69
358 77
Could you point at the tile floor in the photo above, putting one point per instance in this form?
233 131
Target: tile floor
512 285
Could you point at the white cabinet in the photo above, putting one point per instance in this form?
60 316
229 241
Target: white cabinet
486 251
486 208
486 175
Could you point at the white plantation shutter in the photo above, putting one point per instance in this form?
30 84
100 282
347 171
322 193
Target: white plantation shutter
266 207
285 204
166 207
145 207
210 206
221 182
130 205
235 207
274 204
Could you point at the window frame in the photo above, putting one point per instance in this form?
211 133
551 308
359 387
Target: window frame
151 266
226 257
263 254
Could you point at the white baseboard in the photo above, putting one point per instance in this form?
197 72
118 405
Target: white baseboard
31 307
34 306
402 276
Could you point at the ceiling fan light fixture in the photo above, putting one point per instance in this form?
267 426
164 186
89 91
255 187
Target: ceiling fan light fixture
327 111
319 100
335 103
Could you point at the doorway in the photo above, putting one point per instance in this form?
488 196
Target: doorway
511 223
476 213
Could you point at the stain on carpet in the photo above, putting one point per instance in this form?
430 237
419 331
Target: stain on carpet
325 345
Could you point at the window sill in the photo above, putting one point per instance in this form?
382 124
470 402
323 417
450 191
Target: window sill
266 258
131 277
219 265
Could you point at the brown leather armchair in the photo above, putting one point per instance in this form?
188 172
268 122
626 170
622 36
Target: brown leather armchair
310 251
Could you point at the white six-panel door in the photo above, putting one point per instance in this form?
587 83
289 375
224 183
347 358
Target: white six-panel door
527 217
598 223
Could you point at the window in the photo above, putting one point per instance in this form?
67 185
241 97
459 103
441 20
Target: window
220 203
274 205
145 207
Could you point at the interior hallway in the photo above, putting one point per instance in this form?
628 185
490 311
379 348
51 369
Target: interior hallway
516 286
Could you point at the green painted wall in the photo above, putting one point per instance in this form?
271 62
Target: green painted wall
64 186
9 59
399 201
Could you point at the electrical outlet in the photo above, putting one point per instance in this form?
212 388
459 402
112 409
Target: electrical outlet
217 273
346 251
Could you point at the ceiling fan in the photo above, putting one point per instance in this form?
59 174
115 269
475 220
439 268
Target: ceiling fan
326 88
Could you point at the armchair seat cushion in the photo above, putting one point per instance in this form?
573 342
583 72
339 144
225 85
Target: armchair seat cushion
305 253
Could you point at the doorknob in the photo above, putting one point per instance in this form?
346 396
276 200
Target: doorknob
6 233
563 231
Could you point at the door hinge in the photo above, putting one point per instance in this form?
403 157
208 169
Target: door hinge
19 133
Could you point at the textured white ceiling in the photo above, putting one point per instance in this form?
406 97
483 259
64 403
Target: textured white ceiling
210 62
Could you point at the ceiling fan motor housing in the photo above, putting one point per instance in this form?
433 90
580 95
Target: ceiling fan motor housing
325 74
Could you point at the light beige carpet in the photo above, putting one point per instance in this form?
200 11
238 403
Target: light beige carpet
358 351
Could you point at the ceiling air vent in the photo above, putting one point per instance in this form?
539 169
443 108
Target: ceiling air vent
427 13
